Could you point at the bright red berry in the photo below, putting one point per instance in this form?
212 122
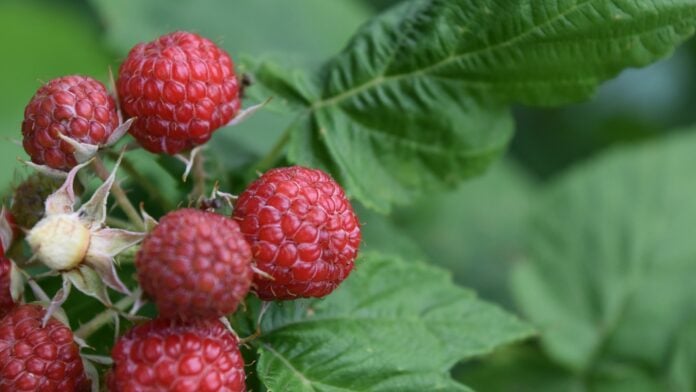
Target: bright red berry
6 301
79 107
181 87
195 264
168 355
303 232
36 358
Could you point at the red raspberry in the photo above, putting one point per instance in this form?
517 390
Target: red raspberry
169 355
6 302
181 87
302 230
79 107
36 358
195 264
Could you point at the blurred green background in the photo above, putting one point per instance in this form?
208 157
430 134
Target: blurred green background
477 231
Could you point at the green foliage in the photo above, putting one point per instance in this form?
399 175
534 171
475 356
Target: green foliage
609 278
418 101
476 231
450 67
393 326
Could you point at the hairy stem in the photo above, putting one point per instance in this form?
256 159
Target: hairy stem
119 194
93 325
199 177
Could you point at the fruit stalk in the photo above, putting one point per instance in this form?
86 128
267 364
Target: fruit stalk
93 325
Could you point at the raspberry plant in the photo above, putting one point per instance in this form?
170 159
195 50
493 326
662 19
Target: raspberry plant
219 269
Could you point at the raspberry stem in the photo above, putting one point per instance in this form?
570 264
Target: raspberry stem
93 325
119 194
199 177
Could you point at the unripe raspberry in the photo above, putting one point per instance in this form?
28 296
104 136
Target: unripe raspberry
195 264
36 358
78 107
168 355
6 301
302 230
181 87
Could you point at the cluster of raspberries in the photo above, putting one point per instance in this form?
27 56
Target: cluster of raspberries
292 234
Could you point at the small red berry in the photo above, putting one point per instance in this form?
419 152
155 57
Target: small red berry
181 87
303 232
169 355
6 301
195 264
36 358
79 107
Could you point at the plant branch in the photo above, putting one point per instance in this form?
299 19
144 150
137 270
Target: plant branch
119 194
93 325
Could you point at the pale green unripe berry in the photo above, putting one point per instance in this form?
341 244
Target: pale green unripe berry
60 241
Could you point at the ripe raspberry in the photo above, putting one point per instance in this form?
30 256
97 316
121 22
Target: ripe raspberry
36 358
168 355
29 198
181 87
302 230
6 301
195 264
79 107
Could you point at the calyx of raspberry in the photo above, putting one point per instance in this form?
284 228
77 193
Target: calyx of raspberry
76 243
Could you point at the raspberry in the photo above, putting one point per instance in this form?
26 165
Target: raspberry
195 264
6 301
79 107
180 87
169 355
36 358
29 198
303 232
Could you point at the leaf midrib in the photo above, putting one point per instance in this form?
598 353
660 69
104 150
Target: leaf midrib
301 376
383 78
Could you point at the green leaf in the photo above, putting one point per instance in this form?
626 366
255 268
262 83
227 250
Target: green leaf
392 326
477 231
418 99
612 257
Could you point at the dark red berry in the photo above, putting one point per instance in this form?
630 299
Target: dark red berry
303 232
36 358
6 301
195 264
181 87
167 355
79 107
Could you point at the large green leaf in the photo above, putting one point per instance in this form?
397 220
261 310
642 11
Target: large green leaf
612 258
418 98
392 326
